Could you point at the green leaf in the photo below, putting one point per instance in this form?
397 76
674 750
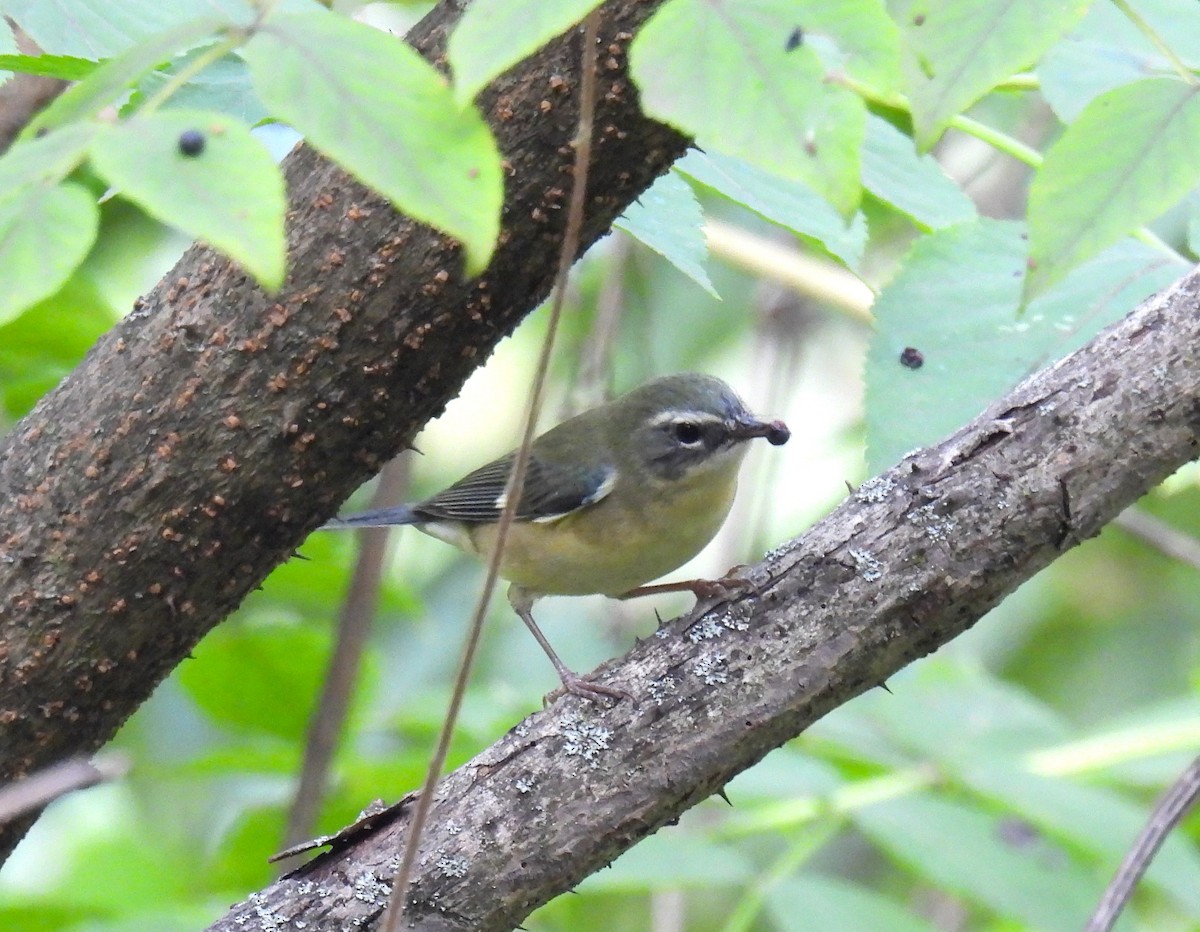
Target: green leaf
166 915
260 758
41 346
260 678
113 78
119 844
1107 50
848 736
960 49
1096 185
376 107
224 86
66 67
812 901
306 588
853 36
965 850
1144 749
132 251
728 72
240 861
951 295
45 160
790 204
493 35
33 916
1093 818
668 219
44 234
660 861
97 29
956 300
785 773
94 29
913 184
944 712
230 194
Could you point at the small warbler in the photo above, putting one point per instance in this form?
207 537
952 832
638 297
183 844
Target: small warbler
613 497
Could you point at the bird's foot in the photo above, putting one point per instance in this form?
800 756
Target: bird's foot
732 582
702 589
585 688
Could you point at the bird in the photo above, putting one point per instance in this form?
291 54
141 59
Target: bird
616 496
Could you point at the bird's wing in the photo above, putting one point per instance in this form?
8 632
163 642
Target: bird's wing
551 492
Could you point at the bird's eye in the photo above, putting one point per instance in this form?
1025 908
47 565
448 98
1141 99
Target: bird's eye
687 433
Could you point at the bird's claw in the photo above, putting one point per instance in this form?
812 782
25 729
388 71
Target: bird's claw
585 688
726 585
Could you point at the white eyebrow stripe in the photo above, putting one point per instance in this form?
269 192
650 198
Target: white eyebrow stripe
697 417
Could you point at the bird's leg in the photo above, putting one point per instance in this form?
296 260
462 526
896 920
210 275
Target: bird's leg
700 588
572 682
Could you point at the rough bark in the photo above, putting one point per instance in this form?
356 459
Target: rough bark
907 562
213 428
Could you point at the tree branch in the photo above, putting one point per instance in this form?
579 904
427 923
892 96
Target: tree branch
215 426
906 563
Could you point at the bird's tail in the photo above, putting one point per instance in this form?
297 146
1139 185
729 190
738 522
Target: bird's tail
380 517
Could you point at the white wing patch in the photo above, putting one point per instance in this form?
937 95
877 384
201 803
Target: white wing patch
602 491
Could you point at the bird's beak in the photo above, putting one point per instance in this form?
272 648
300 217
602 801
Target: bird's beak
776 432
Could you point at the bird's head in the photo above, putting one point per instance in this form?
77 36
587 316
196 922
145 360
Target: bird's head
686 425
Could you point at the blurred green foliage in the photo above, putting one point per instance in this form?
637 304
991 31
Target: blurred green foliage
997 785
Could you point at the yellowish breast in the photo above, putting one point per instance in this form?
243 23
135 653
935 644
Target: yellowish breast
612 547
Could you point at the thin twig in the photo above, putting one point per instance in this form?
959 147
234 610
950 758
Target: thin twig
1168 812
43 787
595 380
1160 535
782 330
570 246
353 628
1165 50
817 278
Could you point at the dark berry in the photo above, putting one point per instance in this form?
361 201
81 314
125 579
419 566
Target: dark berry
191 142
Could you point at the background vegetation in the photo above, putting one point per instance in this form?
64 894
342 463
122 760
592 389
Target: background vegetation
1000 782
